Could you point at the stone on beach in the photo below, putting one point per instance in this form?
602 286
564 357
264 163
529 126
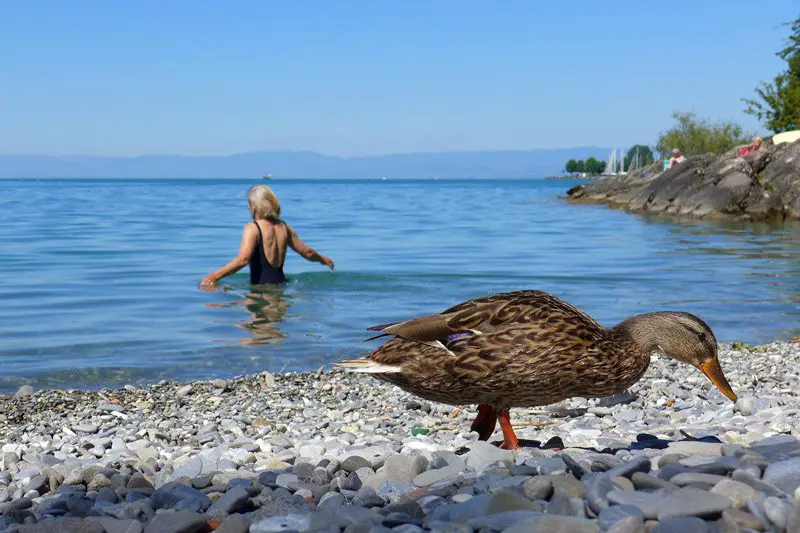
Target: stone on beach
338 452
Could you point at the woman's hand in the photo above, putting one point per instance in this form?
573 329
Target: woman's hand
209 281
326 261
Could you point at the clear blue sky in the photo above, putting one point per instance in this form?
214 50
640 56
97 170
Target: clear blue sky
369 77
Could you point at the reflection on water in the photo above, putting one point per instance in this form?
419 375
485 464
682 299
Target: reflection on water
266 307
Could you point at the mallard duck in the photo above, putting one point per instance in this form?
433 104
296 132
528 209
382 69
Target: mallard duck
530 348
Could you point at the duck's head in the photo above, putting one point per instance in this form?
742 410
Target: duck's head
684 337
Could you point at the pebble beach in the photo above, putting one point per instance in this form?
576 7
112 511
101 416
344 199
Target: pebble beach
331 451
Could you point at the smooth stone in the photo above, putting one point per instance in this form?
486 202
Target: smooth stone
568 485
407 528
286 480
793 522
683 524
737 492
712 449
404 468
689 478
234 524
16 505
183 391
742 519
169 495
62 525
367 497
553 524
444 458
628 524
613 514
641 481
624 483
235 500
638 464
689 501
499 521
560 504
353 463
538 488
648 503
114 525
184 521
777 510
431 477
483 454
784 474
767 488
37 482
331 500
597 491
85 428
98 482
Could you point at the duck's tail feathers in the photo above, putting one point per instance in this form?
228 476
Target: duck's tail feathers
381 327
367 366
377 337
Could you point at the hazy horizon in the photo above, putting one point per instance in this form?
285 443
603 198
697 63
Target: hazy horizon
302 164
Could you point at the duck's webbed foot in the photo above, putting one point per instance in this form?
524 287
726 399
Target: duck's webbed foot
510 441
485 422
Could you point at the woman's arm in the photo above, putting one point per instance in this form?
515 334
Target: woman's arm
249 240
305 250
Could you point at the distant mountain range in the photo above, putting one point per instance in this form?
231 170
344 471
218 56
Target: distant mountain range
302 164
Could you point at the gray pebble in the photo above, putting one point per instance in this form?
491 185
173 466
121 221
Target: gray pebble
611 515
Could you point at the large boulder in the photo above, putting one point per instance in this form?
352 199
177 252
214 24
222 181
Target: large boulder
764 185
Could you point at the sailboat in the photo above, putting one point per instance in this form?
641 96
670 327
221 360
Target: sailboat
615 165
635 161
611 164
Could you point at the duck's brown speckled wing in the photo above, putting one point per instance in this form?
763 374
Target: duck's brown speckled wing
503 326
490 314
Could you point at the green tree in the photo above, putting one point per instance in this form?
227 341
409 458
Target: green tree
693 137
645 155
571 166
779 105
593 166
580 166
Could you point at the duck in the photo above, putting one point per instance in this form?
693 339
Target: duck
529 348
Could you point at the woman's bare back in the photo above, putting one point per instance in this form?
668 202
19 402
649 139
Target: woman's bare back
276 240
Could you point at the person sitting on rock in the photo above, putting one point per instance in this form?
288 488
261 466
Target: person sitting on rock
754 146
676 158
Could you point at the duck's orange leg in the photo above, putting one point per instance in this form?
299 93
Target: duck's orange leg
510 441
485 422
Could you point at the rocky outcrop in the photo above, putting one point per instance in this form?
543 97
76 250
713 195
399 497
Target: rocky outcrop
764 185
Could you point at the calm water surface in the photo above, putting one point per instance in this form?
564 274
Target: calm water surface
99 278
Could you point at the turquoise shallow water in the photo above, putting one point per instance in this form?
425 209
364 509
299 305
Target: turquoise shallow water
98 279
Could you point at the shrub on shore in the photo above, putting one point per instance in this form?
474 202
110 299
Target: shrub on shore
693 136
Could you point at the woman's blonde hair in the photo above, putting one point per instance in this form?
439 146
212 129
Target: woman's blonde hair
263 203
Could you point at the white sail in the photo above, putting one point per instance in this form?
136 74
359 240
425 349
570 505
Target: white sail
611 164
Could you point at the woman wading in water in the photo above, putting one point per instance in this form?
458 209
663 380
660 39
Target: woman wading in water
264 243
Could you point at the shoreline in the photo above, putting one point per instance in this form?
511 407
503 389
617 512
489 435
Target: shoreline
331 451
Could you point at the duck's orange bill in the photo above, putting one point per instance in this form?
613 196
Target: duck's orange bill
714 372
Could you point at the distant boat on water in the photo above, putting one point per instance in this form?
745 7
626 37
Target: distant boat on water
267 176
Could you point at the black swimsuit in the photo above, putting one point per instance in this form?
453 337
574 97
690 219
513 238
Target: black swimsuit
261 271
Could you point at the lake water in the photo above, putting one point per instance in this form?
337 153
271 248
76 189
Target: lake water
98 279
